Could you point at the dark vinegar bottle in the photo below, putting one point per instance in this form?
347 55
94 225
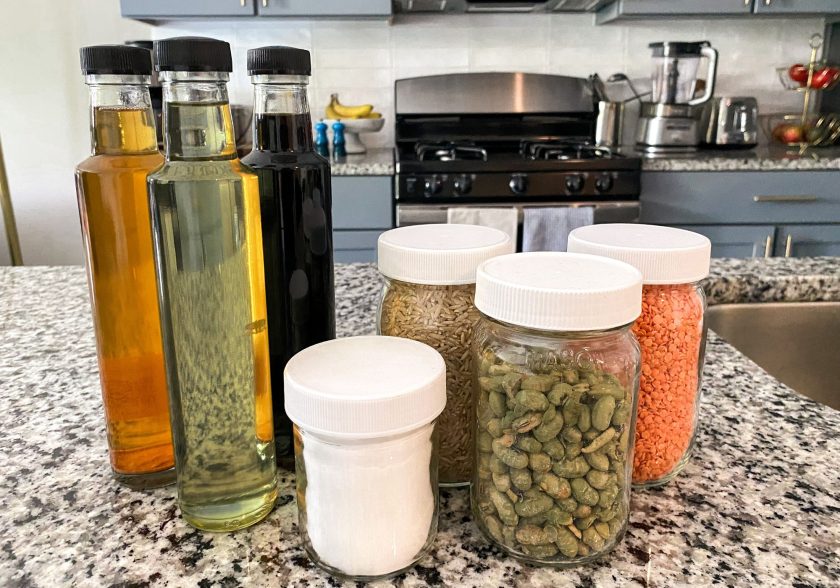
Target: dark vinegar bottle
296 211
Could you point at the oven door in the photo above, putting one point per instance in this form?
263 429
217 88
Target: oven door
605 212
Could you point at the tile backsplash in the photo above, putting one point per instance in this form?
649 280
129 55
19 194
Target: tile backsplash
361 59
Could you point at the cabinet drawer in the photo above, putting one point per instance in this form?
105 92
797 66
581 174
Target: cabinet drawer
808 240
737 240
362 202
355 256
740 197
325 7
185 8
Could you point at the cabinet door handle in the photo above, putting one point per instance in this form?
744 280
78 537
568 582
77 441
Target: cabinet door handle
786 198
242 3
265 3
747 2
768 2
788 245
768 245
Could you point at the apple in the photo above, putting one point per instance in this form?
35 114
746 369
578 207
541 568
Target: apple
789 133
798 73
824 77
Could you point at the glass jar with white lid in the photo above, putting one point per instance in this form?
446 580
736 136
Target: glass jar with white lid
364 411
557 374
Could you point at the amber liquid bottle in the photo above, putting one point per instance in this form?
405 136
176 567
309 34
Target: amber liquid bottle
206 225
296 205
114 211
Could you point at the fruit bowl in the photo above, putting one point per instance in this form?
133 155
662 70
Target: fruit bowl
352 128
795 77
788 129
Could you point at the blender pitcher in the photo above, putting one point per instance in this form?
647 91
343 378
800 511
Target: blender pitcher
674 72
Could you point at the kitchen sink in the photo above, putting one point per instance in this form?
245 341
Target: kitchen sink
798 343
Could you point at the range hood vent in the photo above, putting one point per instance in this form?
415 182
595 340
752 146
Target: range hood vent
498 6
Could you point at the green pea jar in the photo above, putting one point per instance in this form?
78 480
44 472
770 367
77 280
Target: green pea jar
557 378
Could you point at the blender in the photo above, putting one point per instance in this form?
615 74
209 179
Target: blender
670 121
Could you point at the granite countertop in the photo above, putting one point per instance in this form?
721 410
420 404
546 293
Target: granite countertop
762 158
376 162
758 504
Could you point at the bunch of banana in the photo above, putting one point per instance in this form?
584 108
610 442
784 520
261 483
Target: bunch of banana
337 111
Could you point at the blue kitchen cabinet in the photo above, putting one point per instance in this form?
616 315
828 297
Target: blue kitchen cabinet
162 9
808 240
362 210
638 9
791 7
737 240
305 8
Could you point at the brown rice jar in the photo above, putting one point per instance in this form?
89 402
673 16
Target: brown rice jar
671 333
429 293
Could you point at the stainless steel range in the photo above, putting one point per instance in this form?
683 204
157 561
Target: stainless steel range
505 140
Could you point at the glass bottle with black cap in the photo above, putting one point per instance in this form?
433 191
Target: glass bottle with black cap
296 205
114 211
208 249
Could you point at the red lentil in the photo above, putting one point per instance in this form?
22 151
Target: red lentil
670 333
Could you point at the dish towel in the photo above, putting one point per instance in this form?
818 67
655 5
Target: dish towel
547 229
504 219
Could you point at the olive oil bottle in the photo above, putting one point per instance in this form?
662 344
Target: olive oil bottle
114 211
296 205
208 248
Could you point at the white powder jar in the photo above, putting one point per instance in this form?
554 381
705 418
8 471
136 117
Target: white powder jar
365 410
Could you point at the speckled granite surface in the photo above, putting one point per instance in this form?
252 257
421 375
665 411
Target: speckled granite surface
762 158
376 162
758 505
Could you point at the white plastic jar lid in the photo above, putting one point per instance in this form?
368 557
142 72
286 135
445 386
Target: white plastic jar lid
559 291
664 255
439 254
362 387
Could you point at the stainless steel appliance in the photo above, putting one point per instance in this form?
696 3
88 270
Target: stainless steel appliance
730 122
505 140
670 121
507 6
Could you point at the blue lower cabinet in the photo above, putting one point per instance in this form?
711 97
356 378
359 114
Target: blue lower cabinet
808 240
355 246
738 240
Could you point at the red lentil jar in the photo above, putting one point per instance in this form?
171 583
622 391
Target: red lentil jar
671 334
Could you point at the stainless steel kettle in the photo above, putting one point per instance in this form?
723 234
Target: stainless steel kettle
730 122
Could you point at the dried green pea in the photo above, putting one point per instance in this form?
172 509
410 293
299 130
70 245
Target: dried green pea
529 444
590 435
539 462
571 409
535 535
484 441
572 450
559 393
616 525
607 389
497 466
584 419
598 479
507 420
559 517
504 507
608 496
541 383
593 539
494 427
583 492
490 383
499 369
497 404
602 412
532 399
574 468
517 410
554 449
555 486
621 414
521 478
526 422
567 504
483 466
599 441
571 376
540 551
488 358
538 520
572 434
582 511
567 543
581 388
533 506
549 429
606 514
511 383
583 550
598 460
511 457
494 527
585 522
501 482
603 529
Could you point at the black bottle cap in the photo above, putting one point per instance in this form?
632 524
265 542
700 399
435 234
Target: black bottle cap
116 59
192 54
279 60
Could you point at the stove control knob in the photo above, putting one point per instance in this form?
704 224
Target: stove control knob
432 185
574 183
604 183
462 184
518 183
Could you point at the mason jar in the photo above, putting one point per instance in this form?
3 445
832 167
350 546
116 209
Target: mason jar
365 411
671 333
429 273
557 374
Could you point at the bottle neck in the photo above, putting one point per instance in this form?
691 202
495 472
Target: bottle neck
196 116
121 117
282 122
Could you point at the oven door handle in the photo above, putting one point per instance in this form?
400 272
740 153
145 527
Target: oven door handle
413 214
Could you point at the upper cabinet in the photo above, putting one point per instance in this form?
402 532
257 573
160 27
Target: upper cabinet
639 9
173 9
797 7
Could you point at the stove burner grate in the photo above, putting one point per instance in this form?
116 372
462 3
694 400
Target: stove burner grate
563 150
449 151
